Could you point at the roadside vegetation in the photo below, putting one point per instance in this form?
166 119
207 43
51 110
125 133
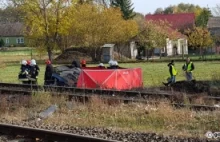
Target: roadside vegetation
159 118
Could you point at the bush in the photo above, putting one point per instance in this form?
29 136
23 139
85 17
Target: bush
2 43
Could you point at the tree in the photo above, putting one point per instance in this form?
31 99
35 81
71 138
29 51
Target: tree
217 10
2 43
140 20
85 1
155 34
202 14
11 14
202 19
92 27
105 3
126 8
159 11
184 8
46 21
169 10
199 37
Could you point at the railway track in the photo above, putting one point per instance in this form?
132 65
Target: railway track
126 96
46 135
28 89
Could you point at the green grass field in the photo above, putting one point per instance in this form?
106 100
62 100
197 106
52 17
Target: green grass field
153 73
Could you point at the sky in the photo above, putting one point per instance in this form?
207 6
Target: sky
149 6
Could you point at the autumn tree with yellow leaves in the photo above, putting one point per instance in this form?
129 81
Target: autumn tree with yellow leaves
155 34
45 21
199 37
49 22
93 26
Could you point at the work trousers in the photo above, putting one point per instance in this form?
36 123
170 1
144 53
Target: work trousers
188 76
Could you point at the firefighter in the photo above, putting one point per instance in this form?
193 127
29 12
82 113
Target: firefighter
75 64
113 64
34 71
28 65
173 73
188 67
23 73
48 80
101 66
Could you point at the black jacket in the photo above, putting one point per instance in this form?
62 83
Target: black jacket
76 64
23 68
34 71
170 68
22 73
48 72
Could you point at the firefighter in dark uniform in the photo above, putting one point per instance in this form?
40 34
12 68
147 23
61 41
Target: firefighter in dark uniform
34 71
48 80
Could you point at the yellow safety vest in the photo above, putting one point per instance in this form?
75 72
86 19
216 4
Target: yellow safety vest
174 71
189 67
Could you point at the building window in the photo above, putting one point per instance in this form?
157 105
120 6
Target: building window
7 41
20 40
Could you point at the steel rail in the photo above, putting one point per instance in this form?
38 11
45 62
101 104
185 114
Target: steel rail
14 92
73 90
85 90
47 134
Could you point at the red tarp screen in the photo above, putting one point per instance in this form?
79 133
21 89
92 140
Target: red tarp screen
118 79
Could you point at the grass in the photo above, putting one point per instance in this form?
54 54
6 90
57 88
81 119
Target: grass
160 118
153 73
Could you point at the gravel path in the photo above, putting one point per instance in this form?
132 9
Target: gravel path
3 138
108 133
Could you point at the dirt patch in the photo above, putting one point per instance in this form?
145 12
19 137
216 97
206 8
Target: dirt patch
69 56
191 86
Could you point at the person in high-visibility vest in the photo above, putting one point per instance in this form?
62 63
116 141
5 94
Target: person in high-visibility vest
188 67
173 73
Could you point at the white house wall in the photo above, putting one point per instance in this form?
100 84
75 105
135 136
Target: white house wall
179 49
133 49
185 46
169 48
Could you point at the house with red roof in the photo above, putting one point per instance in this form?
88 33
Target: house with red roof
179 22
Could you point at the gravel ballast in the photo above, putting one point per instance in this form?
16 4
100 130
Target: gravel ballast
106 133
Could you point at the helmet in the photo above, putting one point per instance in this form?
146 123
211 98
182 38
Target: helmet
83 62
24 62
101 65
111 62
48 62
33 62
28 62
